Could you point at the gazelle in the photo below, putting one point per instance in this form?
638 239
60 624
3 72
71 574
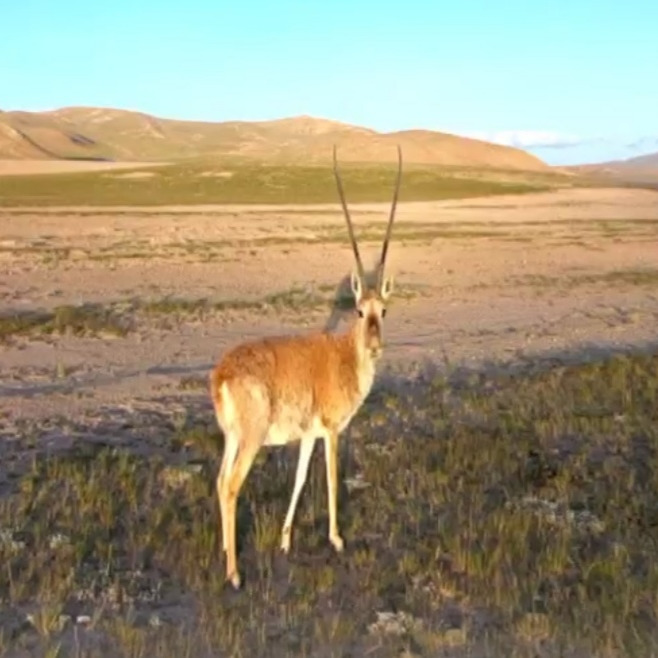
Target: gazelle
278 390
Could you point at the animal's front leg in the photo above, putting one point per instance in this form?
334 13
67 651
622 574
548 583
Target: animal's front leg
306 446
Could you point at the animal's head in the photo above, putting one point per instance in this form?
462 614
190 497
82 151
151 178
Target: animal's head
370 296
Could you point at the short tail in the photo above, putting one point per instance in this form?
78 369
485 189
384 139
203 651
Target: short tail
215 384
222 401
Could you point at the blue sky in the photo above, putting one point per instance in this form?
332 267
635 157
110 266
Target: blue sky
570 80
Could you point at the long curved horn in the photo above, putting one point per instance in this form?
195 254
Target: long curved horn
382 260
348 219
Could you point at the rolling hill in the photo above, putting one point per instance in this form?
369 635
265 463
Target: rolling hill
642 168
648 161
75 133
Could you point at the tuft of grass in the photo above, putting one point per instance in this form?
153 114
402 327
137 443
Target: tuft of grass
646 276
193 383
83 320
294 299
511 514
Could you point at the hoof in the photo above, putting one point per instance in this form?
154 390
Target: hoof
285 542
337 542
235 580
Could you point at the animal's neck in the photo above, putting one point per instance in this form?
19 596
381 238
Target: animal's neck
356 337
354 340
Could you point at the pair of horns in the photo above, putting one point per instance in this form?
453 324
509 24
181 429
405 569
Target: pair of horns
350 228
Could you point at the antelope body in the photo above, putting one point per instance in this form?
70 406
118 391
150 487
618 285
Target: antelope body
277 390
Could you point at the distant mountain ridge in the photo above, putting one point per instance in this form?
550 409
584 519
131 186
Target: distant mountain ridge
638 168
107 133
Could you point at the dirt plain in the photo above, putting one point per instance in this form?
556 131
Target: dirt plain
483 285
490 280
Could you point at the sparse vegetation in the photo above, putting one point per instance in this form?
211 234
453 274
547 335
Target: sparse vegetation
511 514
121 317
567 232
640 276
296 299
252 183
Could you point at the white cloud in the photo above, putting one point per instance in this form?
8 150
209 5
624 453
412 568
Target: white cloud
528 138
566 149
648 143
558 148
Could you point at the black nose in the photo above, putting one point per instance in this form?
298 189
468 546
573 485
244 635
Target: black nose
373 325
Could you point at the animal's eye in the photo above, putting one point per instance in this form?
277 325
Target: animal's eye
383 313
360 312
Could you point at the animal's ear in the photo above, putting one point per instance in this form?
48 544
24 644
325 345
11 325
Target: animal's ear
387 288
357 287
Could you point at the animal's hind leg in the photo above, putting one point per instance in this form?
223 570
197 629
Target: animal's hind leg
245 414
228 460
231 484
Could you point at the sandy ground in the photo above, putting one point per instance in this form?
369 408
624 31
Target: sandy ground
27 167
515 278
